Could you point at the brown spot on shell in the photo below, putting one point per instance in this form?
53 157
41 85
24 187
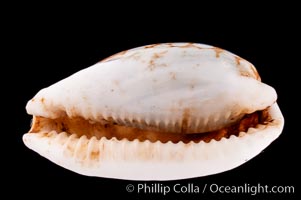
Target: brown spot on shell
238 59
42 100
151 46
159 55
114 57
116 82
218 51
170 44
246 74
257 77
94 155
70 148
190 45
249 71
152 63
172 75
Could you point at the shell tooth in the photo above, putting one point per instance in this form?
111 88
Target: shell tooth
205 122
143 122
147 121
41 134
93 151
260 126
162 124
127 121
81 148
251 130
61 138
51 134
227 115
119 121
68 147
157 123
193 124
197 123
216 118
104 115
241 134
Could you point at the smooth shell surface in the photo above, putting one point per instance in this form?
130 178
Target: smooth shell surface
178 87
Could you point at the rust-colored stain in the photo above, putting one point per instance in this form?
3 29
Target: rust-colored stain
115 56
116 82
152 64
81 150
94 155
257 77
244 73
170 44
185 118
42 100
238 59
159 55
172 75
250 72
151 46
71 148
190 45
218 51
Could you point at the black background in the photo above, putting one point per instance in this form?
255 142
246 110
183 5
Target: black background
50 50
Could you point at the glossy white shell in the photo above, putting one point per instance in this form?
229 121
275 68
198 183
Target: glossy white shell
181 87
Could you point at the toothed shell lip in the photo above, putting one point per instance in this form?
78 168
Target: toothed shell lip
154 161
